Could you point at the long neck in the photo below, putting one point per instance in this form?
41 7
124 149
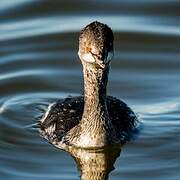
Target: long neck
95 82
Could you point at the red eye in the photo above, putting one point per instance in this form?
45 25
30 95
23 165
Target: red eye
88 49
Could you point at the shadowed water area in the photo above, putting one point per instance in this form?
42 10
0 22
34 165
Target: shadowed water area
39 64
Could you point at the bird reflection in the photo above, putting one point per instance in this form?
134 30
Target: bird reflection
95 164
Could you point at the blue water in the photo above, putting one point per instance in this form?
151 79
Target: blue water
39 64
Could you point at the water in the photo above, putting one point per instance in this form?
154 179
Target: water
39 64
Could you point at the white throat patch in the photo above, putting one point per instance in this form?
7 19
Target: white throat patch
88 57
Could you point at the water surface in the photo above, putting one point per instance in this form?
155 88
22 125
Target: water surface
39 64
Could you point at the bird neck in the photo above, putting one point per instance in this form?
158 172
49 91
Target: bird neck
95 82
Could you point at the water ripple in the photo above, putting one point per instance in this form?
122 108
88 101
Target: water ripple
9 5
36 26
39 64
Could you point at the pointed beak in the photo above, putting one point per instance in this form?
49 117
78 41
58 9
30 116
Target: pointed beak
97 61
105 61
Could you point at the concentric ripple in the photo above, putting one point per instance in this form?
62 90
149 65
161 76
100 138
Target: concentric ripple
39 64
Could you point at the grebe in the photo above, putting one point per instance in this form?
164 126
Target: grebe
93 120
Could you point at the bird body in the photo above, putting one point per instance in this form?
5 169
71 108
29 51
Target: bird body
94 119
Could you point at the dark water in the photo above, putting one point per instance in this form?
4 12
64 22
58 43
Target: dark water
39 64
